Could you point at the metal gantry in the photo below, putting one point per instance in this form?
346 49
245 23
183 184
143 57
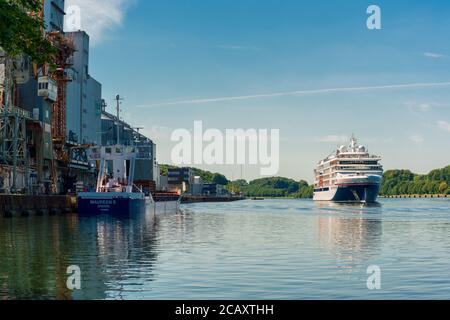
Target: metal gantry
13 135
63 60
13 144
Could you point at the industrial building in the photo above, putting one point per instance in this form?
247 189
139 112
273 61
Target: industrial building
180 179
115 130
29 96
214 189
49 118
54 15
84 95
197 187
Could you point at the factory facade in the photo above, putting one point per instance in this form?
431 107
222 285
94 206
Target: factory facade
84 95
49 119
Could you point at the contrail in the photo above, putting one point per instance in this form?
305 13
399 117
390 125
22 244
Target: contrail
297 93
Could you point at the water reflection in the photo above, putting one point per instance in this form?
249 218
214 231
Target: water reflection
350 208
35 253
278 250
351 231
126 252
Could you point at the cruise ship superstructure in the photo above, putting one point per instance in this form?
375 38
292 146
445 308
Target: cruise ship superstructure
350 174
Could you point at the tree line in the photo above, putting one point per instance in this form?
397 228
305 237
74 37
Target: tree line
273 187
405 182
395 182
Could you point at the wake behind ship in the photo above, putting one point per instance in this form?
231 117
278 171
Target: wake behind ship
350 174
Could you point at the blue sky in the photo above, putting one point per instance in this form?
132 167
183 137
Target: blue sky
155 53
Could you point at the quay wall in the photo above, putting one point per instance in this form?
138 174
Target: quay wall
196 199
21 205
418 196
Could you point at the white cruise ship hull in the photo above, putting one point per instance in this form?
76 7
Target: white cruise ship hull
351 189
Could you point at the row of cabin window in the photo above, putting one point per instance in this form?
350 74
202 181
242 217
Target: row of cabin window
43 86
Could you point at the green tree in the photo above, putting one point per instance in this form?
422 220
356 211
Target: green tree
21 30
443 187
219 179
405 182
164 168
277 187
236 186
206 176
305 191
233 188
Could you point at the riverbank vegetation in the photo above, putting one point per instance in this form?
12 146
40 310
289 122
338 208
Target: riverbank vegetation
405 182
265 187
276 187
395 182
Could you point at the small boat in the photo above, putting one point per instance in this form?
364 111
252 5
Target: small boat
257 199
116 194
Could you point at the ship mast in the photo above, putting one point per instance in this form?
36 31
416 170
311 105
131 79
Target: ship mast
118 99
353 142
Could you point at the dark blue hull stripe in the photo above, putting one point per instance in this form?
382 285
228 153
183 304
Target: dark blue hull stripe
118 206
367 193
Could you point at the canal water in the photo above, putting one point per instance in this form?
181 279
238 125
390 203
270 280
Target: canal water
272 249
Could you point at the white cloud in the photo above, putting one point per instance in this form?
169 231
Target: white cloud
444 125
98 17
417 138
433 55
424 107
300 93
419 109
333 138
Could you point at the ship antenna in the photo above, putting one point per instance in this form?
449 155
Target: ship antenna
353 142
118 99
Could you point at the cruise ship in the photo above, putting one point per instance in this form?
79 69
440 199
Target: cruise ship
350 174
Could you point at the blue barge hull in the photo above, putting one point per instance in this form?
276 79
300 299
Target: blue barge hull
112 204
